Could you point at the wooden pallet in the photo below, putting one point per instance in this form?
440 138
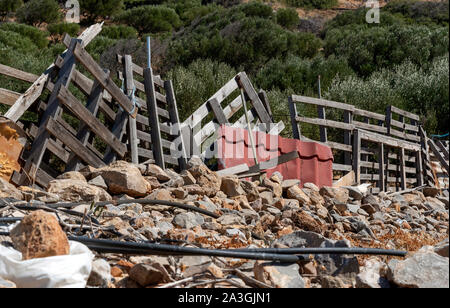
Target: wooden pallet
225 107
157 129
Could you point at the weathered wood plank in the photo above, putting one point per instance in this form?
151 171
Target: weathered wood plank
17 74
70 141
218 112
92 67
178 141
8 97
71 103
322 102
153 120
133 141
327 123
33 93
357 155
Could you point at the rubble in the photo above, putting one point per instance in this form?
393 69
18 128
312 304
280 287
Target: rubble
259 214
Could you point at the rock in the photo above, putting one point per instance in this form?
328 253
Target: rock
195 161
330 282
279 275
188 178
442 249
370 276
39 195
160 194
149 274
199 269
100 274
206 178
124 178
39 236
277 177
251 190
274 187
369 209
77 191
355 193
266 197
311 186
298 194
164 227
231 186
72 175
8 190
206 204
179 193
431 191
235 233
6 284
340 194
286 184
188 220
422 270
157 172
333 265
98 182
231 219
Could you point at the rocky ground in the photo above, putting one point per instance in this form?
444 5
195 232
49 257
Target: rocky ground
270 212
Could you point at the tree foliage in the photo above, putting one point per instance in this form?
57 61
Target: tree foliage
36 12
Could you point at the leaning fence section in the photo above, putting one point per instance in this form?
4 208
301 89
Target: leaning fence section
389 149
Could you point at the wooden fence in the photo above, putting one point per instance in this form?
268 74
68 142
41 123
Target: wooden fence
222 108
158 130
397 161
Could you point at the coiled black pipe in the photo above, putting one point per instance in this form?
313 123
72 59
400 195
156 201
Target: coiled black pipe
332 250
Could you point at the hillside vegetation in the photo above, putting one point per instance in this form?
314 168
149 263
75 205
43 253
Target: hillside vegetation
402 61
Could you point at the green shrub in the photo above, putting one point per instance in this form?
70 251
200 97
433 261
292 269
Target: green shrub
59 29
288 18
99 45
38 37
9 6
196 83
35 12
421 11
257 9
243 42
369 49
16 41
151 19
301 75
420 90
316 4
103 8
119 32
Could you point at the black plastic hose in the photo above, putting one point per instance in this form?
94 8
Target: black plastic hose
107 246
333 250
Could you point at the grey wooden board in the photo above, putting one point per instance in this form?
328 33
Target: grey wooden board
33 93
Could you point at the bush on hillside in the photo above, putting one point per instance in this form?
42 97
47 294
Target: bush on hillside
301 75
288 18
196 83
241 41
313 4
38 37
119 32
59 29
421 11
103 8
9 6
35 12
151 19
370 49
408 86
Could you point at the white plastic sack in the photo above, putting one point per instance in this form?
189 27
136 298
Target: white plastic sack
70 271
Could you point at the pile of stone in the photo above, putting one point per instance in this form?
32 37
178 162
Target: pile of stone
269 212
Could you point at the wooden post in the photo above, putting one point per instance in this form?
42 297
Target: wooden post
176 125
129 89
74 164
381 171
53 111
389 119
419 169
348 119
402 168
357 156
296 131
153 119
265 100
